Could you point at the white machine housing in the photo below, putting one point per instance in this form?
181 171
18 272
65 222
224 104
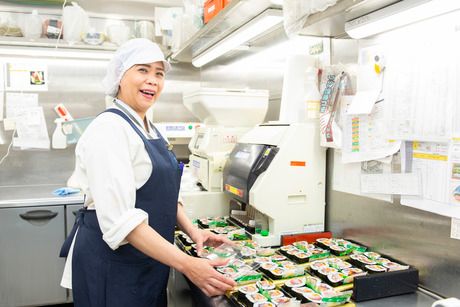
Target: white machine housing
291 192
210 147
178 132
227 114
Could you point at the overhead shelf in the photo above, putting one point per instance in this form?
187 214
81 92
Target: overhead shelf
331 22
232 17
52 43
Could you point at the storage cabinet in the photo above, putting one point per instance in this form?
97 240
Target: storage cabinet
30 267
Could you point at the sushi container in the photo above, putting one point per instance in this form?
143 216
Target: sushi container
283 272
340 247
303 253
212 222
313 290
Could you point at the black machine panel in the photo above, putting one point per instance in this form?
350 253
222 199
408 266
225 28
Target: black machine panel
245 164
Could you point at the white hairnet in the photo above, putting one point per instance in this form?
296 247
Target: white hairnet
133 52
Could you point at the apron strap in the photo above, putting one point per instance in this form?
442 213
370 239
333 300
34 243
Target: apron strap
68 241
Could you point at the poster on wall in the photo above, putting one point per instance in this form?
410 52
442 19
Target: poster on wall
364 135
454 173
437 164
26 77
347 177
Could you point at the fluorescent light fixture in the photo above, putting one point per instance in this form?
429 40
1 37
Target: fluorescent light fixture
397 15
265 21
56 53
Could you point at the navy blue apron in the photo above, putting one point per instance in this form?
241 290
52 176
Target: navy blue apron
125 276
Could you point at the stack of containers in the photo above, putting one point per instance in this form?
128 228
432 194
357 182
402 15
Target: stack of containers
212 8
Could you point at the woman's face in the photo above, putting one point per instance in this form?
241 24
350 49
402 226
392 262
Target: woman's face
141 85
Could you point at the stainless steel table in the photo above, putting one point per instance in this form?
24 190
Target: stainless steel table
186 294
35 195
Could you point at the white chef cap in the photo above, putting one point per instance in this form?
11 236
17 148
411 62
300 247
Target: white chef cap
133 52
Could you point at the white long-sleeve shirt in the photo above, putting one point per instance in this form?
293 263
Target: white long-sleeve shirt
111 163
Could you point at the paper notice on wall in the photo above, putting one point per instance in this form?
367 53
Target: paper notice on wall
363 102
26 76
402 184
419 83
454 173
364 136
16 103
455 229
369 80
346 177
431 160
31 129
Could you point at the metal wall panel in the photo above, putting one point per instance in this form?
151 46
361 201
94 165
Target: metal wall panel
77 84
419 238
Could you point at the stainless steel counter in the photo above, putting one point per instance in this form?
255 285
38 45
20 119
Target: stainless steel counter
35 195
186 294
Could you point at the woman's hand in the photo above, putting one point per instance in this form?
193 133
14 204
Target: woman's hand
207 238
202 273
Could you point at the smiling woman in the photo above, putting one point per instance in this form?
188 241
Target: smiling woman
123 248
141 85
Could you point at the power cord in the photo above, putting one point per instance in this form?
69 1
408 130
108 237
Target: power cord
9 148
62 25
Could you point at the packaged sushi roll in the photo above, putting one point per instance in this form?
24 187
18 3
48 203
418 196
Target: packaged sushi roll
268 266
256 298
277 273
301 256
393 266
225 251
295 282
287 264
226 270
262 260
338 250
302 290
277 257
248 289
372 255
341 265
352 271
275 294
324 289
314 297
264 304
247 252
375 268
281 300
360 260
265 285
318 264
382 261
324 242
286 248
265 252
323 272
336 279
237 263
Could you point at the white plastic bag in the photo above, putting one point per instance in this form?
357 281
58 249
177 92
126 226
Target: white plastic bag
75 23
296 13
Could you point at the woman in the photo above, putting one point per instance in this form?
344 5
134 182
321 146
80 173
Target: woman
120 250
